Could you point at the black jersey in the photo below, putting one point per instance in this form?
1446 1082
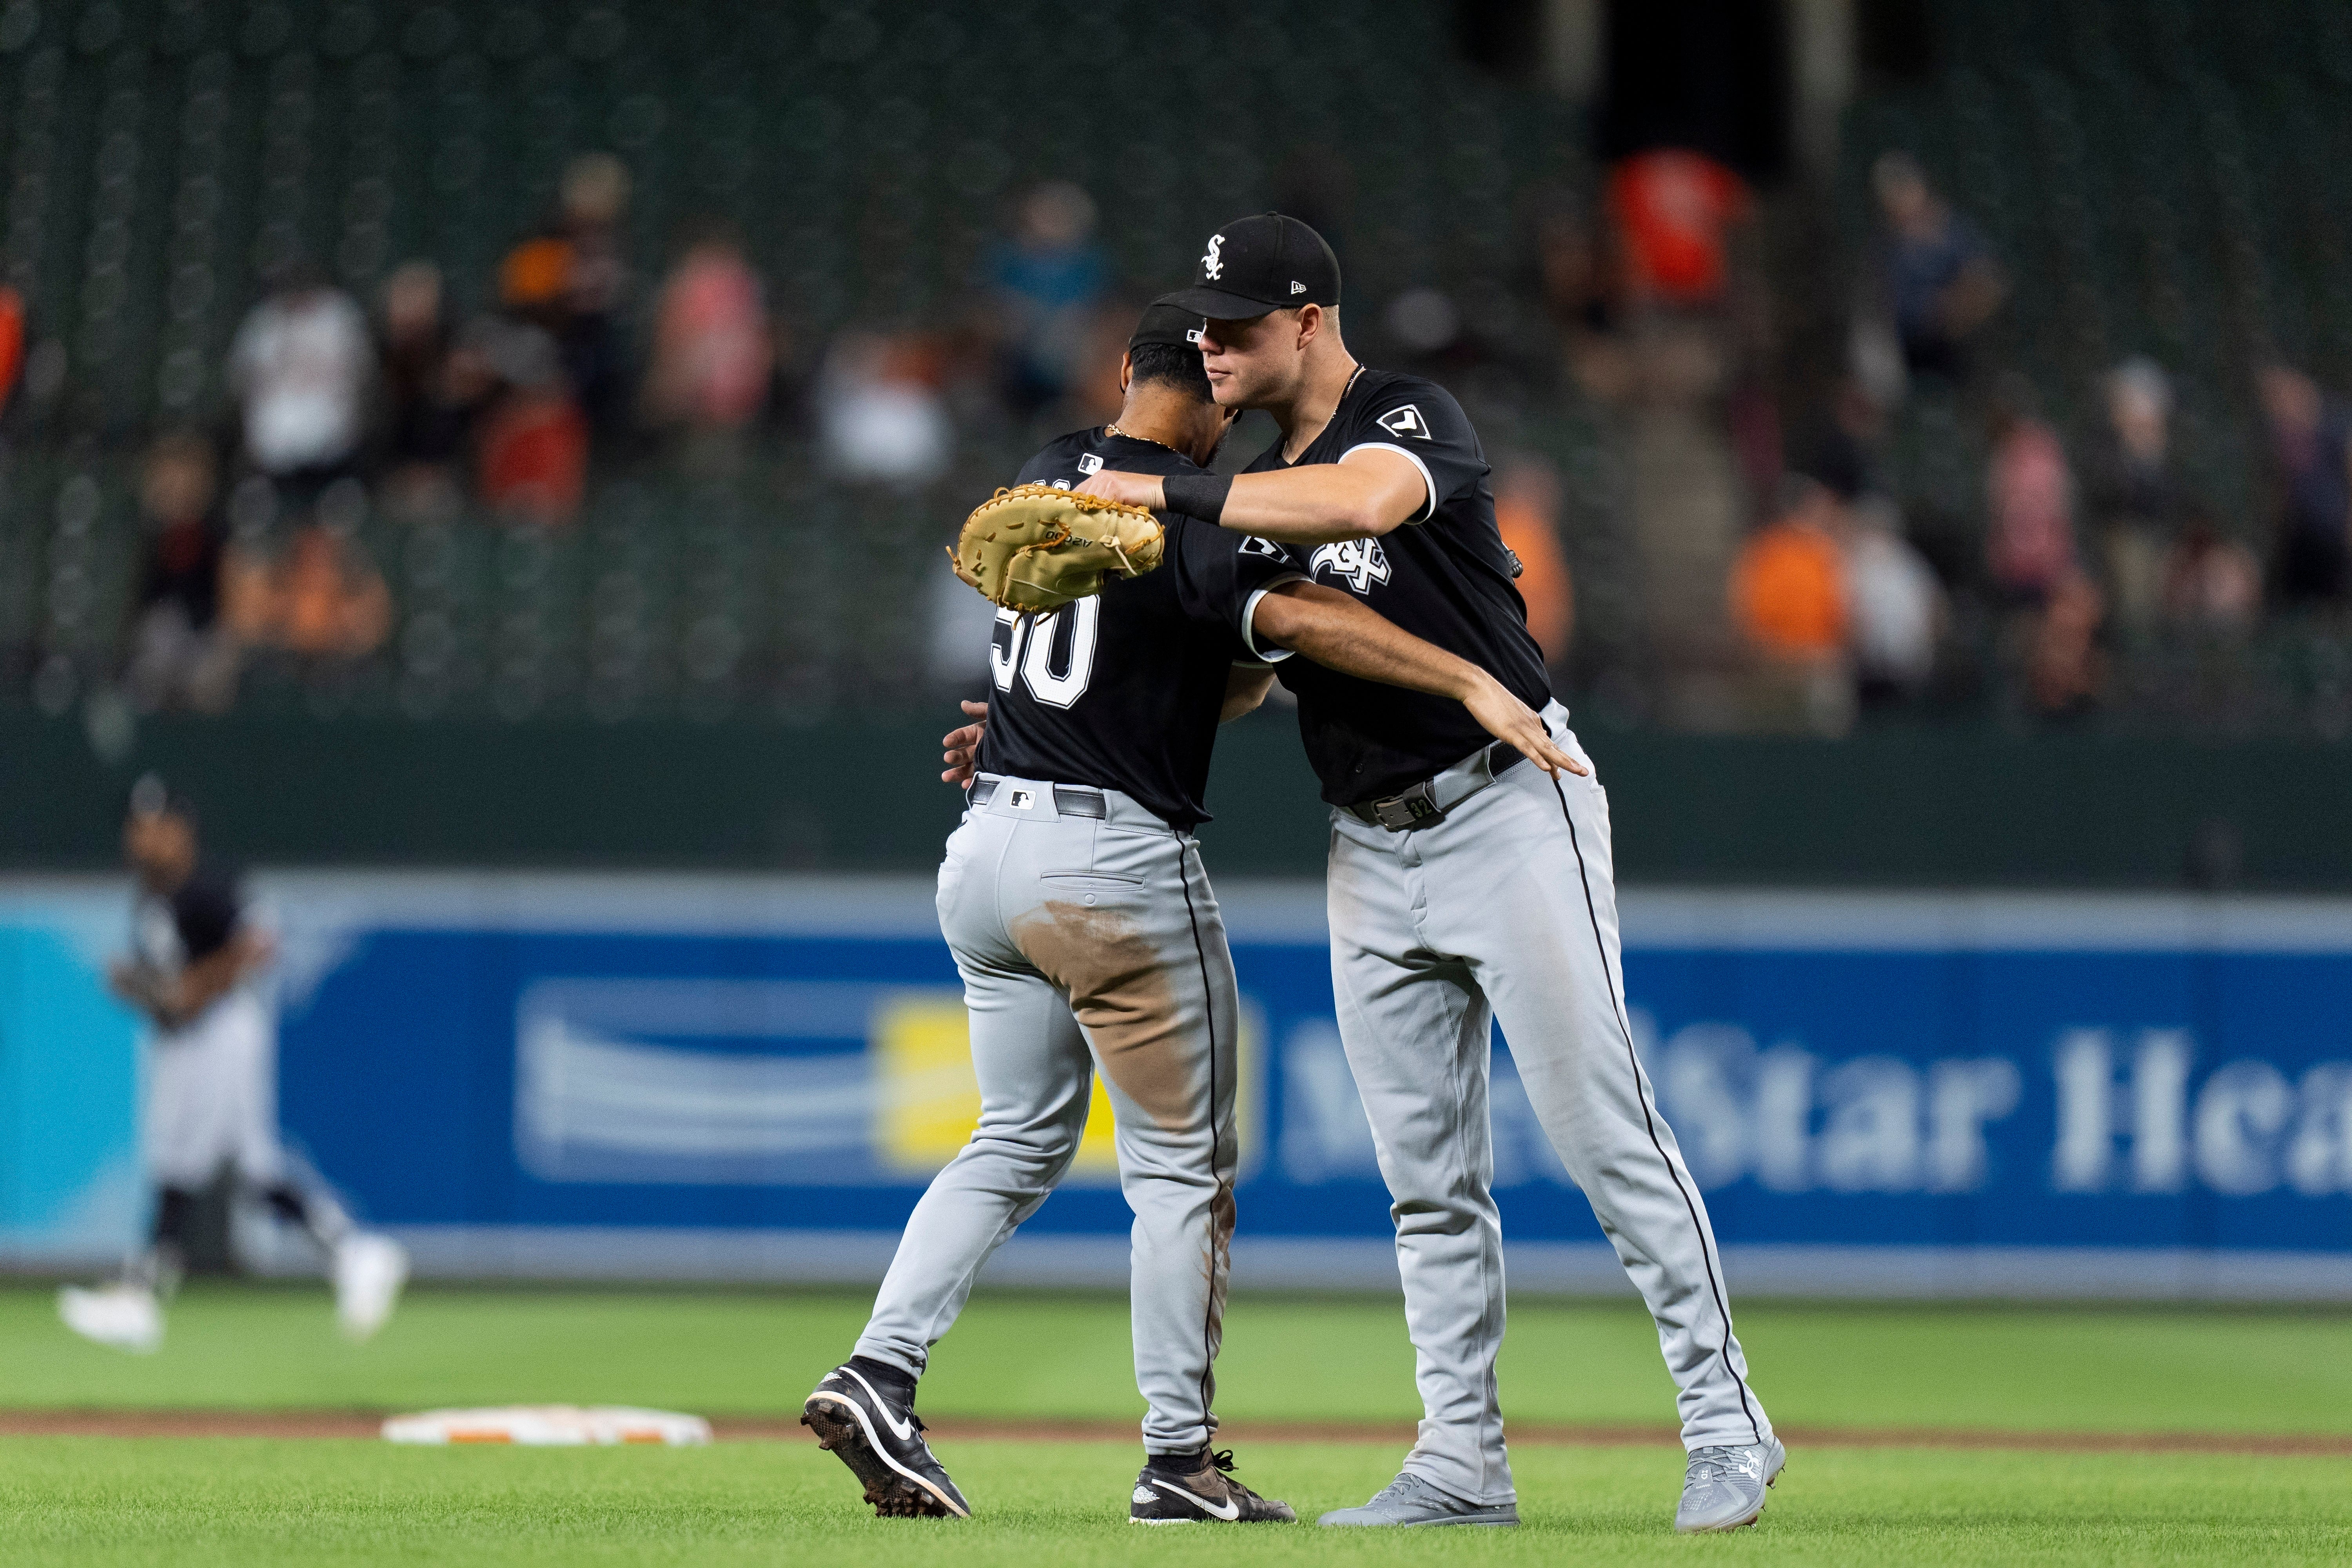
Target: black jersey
196 921
1122 690
1445 575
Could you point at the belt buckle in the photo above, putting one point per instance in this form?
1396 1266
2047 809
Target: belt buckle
1416 807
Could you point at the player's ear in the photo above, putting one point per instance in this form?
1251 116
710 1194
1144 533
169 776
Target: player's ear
1126 372
1310 322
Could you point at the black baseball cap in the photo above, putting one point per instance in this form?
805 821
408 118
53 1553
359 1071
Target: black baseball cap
1254 265
1165 322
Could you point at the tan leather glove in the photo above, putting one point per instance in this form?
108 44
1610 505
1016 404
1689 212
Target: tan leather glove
1037 548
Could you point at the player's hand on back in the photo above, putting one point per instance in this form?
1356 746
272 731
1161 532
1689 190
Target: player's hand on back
1506 718
963 755
1128 489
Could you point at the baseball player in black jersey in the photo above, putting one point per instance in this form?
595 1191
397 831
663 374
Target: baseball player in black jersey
210 1088
1462 888
1075 902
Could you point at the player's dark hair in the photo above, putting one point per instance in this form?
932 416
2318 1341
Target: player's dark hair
1171 364
151 796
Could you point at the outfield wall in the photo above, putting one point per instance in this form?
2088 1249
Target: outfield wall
751 1079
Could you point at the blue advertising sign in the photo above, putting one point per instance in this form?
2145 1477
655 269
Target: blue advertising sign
618 1075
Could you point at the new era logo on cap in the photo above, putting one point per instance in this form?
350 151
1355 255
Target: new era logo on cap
1296 287
1405 421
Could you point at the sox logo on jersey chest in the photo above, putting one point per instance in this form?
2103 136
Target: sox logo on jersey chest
1359 562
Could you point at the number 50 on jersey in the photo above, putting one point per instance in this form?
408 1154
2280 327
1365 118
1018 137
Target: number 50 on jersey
1052 654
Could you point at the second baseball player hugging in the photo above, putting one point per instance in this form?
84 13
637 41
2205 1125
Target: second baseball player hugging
1463 887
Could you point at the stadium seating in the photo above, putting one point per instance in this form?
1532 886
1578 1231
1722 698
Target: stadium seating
161 154
2165 178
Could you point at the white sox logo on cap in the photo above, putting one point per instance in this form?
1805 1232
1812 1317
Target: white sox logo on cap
1213 265
1405 421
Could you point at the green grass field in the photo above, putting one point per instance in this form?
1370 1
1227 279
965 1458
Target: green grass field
255 1503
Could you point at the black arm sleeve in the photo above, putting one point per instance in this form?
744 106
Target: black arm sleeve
207 912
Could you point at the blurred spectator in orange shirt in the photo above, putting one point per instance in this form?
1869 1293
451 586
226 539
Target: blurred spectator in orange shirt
331 602
1672 208
713 352
1526 510
321 597
1788 587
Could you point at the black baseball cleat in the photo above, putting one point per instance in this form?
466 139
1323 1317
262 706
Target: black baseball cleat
1187 1489
881 1441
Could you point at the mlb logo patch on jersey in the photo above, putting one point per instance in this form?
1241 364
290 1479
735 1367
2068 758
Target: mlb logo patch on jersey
1089 463
1405 421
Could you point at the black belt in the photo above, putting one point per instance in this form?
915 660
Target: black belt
1419 805
1068 800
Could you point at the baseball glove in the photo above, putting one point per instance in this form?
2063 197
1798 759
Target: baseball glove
1037 548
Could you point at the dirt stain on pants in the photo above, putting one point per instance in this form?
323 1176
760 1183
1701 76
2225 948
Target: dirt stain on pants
1121 991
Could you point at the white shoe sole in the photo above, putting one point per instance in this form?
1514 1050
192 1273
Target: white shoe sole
853 1441
365 1304
82 1311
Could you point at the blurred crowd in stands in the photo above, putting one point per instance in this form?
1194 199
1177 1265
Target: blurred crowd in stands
251 535
1839 606
1781 584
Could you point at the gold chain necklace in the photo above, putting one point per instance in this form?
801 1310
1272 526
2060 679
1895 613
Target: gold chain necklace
1115 430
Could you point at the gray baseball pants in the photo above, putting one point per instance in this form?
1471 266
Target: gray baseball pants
1508 909
1085 945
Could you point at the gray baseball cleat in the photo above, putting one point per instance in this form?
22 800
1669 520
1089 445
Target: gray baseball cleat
1409 1500
1724 1487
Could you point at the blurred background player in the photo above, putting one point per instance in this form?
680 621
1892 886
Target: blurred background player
211 1085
